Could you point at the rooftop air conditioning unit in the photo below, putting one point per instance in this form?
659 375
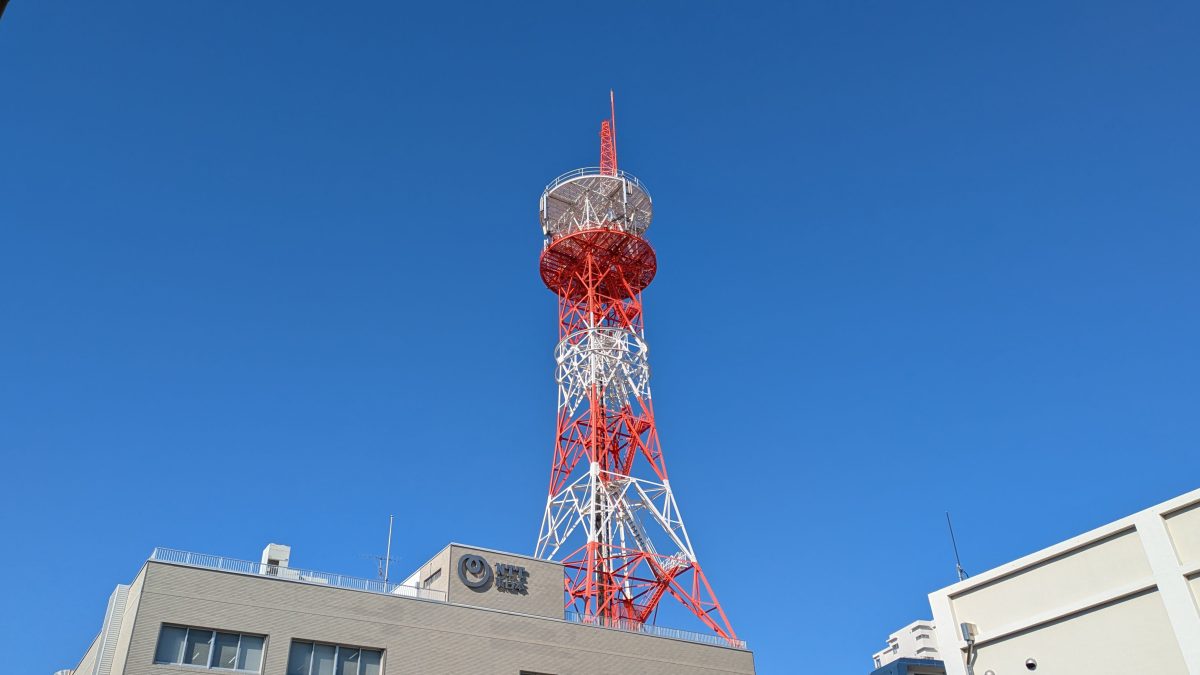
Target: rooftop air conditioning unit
274 558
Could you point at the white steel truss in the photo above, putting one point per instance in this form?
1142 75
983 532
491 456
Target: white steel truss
613 359
623 510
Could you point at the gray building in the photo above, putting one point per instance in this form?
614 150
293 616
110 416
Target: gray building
467 610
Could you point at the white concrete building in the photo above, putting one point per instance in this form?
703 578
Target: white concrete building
1122 598
917 640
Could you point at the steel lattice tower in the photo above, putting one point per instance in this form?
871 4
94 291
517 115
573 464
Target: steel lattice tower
610 516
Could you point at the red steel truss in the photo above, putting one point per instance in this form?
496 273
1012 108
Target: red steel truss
608 150
608 140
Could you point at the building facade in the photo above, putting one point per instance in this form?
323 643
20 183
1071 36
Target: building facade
468 610
1122 598
908 666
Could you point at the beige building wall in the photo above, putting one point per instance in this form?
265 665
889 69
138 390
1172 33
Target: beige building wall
433 575
544 583
1120 599
126 633
88 663
418 636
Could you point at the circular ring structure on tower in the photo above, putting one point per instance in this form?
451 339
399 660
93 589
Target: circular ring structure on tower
613 359
586 199
615 264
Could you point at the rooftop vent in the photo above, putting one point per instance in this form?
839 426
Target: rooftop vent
275 557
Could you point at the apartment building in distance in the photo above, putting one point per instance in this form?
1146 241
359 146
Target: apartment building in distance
917 640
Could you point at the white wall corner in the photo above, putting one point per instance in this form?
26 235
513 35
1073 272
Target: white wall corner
1172 585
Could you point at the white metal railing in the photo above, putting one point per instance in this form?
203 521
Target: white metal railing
595 171
630 626
224 564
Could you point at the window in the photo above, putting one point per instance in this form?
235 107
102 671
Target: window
432 578
209 649
314 658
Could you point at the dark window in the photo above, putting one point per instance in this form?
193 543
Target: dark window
315 658
207 648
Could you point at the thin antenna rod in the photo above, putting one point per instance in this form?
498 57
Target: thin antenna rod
612 107
962 574
387 558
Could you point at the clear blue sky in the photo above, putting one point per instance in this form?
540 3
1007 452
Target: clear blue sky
269 273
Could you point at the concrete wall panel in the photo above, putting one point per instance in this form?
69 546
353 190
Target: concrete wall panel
1184 528
126 634
545 584
1129 636
1056 583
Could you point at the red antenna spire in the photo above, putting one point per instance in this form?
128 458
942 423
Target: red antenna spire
608 139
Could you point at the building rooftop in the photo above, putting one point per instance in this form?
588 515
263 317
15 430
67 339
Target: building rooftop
917 640
411 588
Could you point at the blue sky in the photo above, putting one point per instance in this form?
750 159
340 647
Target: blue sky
269 273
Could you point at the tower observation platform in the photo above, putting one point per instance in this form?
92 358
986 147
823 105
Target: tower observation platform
587 214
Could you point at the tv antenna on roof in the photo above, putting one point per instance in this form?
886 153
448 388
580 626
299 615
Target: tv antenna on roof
962 574
383 563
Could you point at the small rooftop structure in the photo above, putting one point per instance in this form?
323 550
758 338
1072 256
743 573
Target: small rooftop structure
917 640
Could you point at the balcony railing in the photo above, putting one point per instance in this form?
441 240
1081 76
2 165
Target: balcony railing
659 631
224 564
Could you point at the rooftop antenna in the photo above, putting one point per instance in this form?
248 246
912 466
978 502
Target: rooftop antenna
962 574
612 116
387 560
383 563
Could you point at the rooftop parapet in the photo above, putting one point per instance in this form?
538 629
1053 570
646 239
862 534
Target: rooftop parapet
226 564
292 574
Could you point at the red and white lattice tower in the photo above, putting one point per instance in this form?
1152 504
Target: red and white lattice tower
610 516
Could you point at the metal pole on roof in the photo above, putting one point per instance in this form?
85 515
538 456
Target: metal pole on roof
962 573
387 557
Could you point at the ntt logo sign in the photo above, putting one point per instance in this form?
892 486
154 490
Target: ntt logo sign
477 575
474 572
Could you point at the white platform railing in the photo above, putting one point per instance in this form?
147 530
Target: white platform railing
224 564
595 171
630 626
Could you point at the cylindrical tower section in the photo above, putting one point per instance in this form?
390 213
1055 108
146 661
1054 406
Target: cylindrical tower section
593 226
586 199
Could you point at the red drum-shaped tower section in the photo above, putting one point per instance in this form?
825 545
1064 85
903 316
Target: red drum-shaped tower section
593 225
611 516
